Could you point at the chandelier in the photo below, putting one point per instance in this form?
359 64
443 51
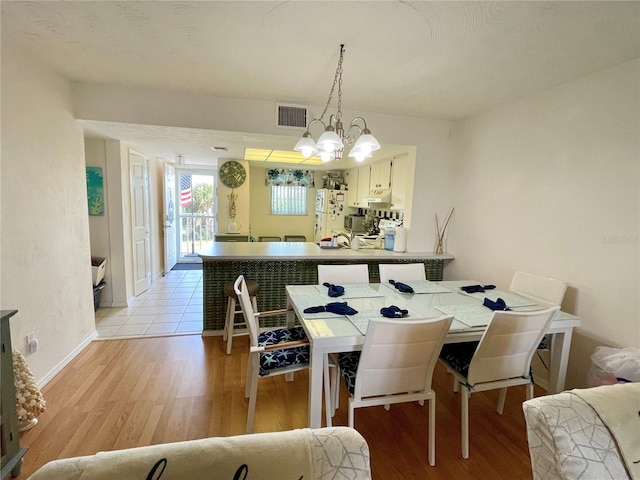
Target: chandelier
331 143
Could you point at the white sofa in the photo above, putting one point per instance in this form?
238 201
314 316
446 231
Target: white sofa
569 441
325 453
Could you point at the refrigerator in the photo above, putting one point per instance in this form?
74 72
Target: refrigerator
329 212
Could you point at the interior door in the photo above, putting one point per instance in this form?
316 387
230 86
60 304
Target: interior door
169 215
139 174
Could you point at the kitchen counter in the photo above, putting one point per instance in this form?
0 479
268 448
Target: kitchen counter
277 264
305 251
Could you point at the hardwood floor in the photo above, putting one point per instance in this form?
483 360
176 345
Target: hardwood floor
125 393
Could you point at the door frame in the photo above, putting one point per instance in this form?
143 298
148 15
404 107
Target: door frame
212 172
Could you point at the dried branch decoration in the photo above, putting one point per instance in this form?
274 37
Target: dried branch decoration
440 233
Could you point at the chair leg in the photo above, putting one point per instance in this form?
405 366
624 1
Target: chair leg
335 398
465 422
226 320
247 388
501 399
328 391
432 430
529 391
351 415
231 320
253 393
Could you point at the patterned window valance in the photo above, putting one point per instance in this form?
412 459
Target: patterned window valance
289 176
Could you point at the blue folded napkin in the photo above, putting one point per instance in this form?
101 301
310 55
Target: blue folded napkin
477 288
318 309
334 290
341 308
401 287
499 304
393 312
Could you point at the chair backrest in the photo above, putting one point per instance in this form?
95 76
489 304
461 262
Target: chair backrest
295 238
398 356
269 239
546 290
240 287
508 344
341 274
401 271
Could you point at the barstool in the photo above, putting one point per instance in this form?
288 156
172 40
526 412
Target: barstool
233 309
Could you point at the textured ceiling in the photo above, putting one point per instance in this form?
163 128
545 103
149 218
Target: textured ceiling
445 60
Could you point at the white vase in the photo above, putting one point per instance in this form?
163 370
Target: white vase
234 226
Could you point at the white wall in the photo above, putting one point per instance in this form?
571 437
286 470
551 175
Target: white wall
263 223
46 267
434 139
550 185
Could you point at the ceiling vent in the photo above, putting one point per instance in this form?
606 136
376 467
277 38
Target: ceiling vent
291 116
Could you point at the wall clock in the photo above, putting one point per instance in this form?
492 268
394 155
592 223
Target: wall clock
232 174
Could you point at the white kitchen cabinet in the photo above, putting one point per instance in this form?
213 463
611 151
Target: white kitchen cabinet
380 175
364 174
399 179
352 192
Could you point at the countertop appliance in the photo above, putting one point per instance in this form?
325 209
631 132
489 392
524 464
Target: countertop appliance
354 223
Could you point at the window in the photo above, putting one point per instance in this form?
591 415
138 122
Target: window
288 200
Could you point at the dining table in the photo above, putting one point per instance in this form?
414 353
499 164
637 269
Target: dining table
330 332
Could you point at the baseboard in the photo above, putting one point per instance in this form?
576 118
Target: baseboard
65 361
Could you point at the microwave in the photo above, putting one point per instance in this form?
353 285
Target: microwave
354 223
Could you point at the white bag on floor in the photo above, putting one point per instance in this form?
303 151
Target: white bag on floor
614 365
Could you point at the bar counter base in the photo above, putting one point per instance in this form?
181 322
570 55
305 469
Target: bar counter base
273 276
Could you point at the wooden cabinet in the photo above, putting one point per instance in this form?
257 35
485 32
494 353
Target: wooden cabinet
399 179
364 173
10 438
380 175
352 192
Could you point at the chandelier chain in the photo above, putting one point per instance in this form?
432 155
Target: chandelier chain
337 76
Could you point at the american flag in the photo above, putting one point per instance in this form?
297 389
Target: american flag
185 190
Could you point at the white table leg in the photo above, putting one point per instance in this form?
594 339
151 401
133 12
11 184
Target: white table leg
560 345
315 386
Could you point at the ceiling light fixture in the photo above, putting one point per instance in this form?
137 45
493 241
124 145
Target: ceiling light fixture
331 143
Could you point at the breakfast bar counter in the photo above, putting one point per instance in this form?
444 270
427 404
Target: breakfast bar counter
277 264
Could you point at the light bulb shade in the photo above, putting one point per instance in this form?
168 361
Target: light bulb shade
365 144
306 146
325 156
359 156
329 141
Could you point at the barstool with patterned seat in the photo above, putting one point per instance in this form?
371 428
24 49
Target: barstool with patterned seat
233 309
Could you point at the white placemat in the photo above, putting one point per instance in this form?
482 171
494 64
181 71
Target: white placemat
355 290
512 300
421 286
304 301
474 315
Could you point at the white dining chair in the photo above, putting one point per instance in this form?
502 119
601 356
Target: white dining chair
401 271
274 351
546 291
341 274
501 359
396 366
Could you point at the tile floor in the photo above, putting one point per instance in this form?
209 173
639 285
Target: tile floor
171 306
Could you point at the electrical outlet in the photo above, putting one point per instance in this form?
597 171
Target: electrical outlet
30 338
